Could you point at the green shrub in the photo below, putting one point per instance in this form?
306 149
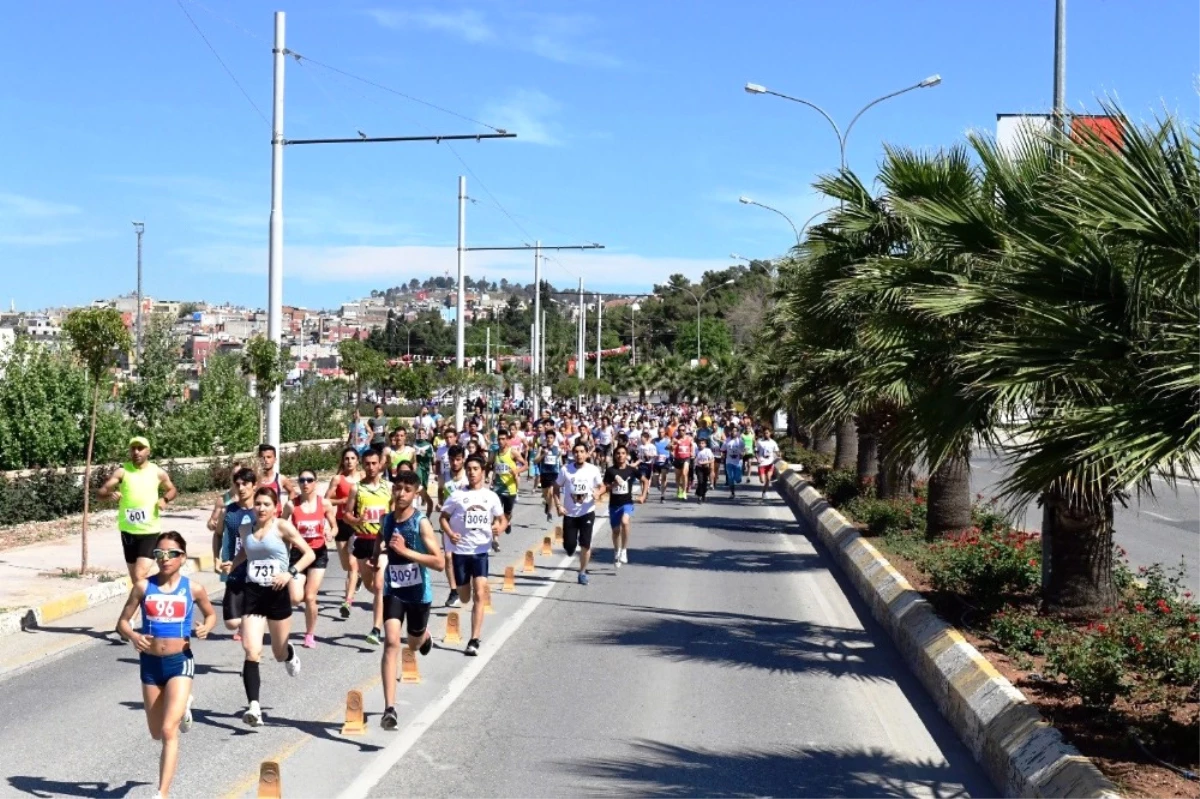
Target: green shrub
886 516
318 459
1020 630
808 458
840 486
985 568
1092 664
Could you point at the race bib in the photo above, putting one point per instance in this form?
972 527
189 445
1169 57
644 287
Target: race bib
478 520
373 514
263 571
311 530
137 515
550 460
160 607
581 489
620 486
501 467
405 575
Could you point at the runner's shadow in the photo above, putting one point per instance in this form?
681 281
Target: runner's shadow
100 635
727 560
329 731
42 787
338 641
660 769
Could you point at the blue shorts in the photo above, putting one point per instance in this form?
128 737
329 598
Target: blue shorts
161 670
615 514
733 474
468 567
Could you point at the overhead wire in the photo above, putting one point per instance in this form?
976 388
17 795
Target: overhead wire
221 61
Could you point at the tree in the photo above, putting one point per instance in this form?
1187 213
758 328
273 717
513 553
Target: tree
99 337
44 399
312 410
149 398
714 339
264 361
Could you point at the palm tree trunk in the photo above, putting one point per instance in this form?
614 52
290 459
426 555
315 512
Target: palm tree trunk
846 454
87 484
895 478
823 440
868 453
1077 555
949 507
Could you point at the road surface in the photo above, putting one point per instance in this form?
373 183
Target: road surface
724 660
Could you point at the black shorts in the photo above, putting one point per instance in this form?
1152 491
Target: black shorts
273 603
234 602
138 545
577 530
363 548
468 567
659 468
507 501
603 450
417 614
344 531
548 479
321 561
645 470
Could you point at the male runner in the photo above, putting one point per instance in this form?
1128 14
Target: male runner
647 453
368 504
450 480
619 479
584 486
506 468
136 485
735 452
472 520
269 476
550 457
683 450
662 462
768 452
424 452
411 550
704 469
227 543
378 426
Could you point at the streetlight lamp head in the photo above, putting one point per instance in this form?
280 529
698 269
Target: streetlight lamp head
754 88
744 200
729 282
932 80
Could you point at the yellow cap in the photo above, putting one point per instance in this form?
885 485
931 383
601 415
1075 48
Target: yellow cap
139 441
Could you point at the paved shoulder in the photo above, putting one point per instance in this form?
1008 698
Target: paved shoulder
723 660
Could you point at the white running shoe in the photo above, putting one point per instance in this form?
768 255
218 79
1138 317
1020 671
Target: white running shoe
293 665
624 555
253 715
185 724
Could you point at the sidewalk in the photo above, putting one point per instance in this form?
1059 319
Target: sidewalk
39 583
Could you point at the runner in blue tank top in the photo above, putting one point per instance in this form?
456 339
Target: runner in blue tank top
166 601
411 548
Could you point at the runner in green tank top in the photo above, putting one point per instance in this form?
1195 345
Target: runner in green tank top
136 485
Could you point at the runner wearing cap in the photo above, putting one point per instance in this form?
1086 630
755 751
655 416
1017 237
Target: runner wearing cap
136 485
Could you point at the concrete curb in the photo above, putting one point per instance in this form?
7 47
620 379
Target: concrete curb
1019 750
31 618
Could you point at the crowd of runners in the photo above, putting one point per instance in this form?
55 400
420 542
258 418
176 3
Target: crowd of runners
408 499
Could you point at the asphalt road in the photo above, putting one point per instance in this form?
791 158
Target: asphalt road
1153 529
724 660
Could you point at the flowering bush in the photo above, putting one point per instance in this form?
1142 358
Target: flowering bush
984 567
1093 663
887 516
1024 631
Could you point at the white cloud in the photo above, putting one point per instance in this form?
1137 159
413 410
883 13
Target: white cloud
391 265
33 222
466 24
526 112
34 208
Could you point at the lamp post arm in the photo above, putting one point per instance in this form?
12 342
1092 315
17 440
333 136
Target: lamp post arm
867 107
836 130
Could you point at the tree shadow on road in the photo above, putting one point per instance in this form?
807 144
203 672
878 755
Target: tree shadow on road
726 560
42 787
726 524
660 769
750 642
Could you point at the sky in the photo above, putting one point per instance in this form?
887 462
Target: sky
633 129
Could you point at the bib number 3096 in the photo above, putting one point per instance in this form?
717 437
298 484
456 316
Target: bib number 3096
478 520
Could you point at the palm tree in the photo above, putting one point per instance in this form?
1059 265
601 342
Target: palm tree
671 372
643 378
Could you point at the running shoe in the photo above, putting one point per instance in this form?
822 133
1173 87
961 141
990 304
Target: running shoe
452 601
253 715
292 664
624 555
373 636
185 724
473 647
344 610
310 641
583 578
495 544
390 720
428 645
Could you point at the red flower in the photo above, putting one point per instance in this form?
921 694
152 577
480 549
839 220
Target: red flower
1192 618
1140 646
1101 628
1187 594
1038 634
1033 563
1140 608
1194 636
1163 607
1107 611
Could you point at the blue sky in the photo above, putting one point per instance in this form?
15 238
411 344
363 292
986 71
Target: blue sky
634 129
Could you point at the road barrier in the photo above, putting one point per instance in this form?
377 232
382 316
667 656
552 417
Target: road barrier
453 631
558 538
487 600
509 583
408 666
547 547
528 567
270 784
355 724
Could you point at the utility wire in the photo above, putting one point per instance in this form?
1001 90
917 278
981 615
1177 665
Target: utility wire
220 61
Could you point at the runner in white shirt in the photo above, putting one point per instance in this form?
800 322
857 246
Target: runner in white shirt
472 520
768 452
735 452
580 485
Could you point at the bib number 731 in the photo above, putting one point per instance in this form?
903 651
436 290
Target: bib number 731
263 571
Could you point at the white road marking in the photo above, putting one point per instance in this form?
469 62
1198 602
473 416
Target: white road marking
393 752
1160 516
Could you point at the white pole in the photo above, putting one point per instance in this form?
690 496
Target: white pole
581 368
599 320
275 241
487 352
542 347
461 311
633 336
535 362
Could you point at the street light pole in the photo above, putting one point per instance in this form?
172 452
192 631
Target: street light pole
1060 65
698 299
580 372
461 302
275 225
633 309
744 200
139 228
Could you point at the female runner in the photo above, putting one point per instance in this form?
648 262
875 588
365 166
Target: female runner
340 488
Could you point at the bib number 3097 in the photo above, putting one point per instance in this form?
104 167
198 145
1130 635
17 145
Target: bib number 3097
404 575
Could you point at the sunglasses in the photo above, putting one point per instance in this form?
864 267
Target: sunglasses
167 554
305 480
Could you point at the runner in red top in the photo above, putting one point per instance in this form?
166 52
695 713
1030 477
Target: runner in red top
683 450
314 519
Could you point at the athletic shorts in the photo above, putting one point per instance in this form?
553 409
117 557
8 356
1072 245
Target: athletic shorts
273 603
645 470
764 470
603 450
507 501
733 473
138 545
468 567
660 467
615 514
416 614
577 531
161 669
548 479
344 531
321 561
233 604
362 548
